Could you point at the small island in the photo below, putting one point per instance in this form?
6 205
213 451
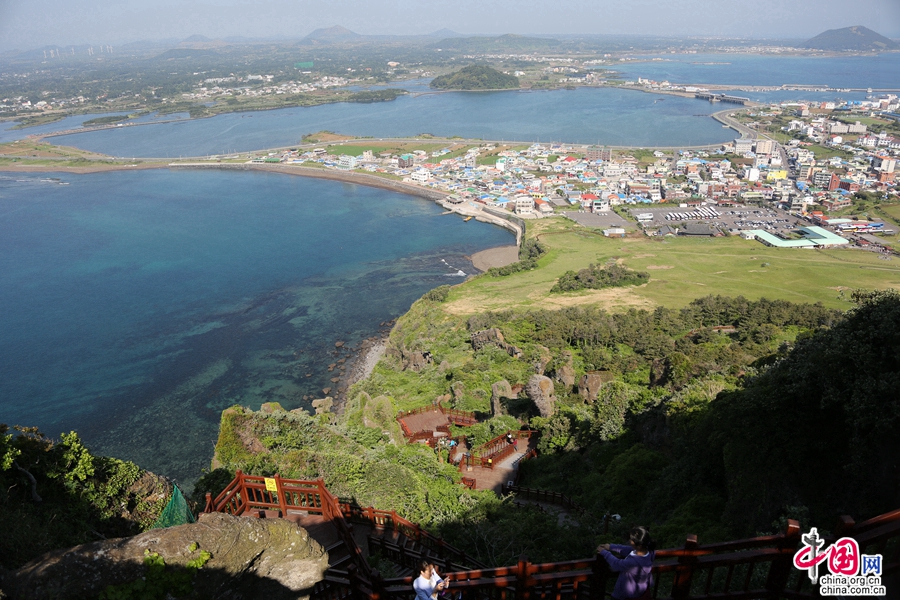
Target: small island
476 77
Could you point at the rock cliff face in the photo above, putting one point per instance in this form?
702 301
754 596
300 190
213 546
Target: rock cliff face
251 558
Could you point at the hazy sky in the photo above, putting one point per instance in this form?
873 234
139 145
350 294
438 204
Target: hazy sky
34 23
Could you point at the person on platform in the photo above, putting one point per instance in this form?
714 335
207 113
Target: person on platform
634 568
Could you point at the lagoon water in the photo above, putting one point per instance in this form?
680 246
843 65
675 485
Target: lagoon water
138 305
583 115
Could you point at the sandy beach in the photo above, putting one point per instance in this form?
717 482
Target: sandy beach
495 257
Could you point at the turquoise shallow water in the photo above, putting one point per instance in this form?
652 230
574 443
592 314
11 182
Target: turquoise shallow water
138 305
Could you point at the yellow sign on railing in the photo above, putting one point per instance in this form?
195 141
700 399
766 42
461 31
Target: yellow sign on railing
271 484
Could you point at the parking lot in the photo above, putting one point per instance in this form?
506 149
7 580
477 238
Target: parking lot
728 218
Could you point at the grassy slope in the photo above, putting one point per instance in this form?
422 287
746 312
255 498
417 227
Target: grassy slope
681 270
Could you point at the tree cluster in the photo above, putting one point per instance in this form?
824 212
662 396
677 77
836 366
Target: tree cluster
475 77
56 494
529 253
597 277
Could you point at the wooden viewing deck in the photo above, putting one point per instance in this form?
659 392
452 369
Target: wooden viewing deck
759 567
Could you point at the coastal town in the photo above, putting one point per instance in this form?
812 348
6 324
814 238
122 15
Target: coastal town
800 181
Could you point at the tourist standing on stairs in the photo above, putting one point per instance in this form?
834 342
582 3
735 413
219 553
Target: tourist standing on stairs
423 585
634 569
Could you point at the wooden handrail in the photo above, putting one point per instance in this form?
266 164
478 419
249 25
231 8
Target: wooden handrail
541 495
759 567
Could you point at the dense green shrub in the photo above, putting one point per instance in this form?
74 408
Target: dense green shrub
438 294
74 495
596 277
529 253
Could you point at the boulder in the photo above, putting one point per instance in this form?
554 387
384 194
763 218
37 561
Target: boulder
543 359
486 337
458 388
591 383
499 391
250 558
540 391
323 405
513 351
565 375
416 361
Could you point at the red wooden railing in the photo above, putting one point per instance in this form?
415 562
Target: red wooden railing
248 495
540 495
253 495
759 567
456 417
497 449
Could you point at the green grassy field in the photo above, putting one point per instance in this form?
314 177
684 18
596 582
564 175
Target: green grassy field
681 270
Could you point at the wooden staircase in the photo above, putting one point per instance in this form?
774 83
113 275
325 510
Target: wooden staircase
759 567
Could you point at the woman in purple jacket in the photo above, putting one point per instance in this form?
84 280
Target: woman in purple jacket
634 569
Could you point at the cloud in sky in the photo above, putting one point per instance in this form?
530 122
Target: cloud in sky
29 24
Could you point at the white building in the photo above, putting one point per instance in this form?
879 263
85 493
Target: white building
346 162
524 205
420 175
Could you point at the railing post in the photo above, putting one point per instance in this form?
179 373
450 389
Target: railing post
780 569
844 527
242 496
209 507
355 583
522 591
377 585
279 493
393 520
600 576
681 588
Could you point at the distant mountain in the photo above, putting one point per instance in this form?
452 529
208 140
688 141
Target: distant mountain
443 33
332 35
504 43
196 38
856 38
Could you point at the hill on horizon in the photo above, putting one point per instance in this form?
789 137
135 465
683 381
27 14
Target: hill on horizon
857 38
331 35
475 77
507 42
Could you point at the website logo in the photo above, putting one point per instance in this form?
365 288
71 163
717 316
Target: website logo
850 573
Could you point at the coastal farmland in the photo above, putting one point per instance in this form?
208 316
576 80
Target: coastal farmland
681 269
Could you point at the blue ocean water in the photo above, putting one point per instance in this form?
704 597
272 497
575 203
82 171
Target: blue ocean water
842 71
138 305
